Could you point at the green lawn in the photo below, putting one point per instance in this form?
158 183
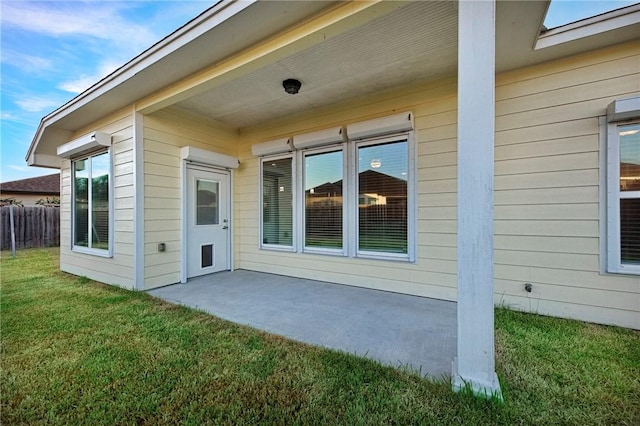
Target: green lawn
77 352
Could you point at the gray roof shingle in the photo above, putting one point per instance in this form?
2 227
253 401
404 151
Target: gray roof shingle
49 184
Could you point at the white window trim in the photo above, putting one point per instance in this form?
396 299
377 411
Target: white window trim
300 194
381 130
411 199
89 250
350 201
620 112
614 263
294 200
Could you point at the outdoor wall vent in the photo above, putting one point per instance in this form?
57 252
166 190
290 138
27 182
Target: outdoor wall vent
276 146
84 144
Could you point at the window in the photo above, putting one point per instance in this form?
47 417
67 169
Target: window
277 202
92 203
383 170
630 193
623 157
323 189
356 197
620 180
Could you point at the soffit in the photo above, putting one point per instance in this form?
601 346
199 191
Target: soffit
414 41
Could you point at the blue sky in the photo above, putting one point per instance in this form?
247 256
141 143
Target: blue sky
53 50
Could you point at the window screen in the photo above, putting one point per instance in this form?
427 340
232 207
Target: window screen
91 201
630 193
323 199
382 197
277 202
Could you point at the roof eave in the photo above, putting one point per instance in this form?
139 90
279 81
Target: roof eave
209 19
618 19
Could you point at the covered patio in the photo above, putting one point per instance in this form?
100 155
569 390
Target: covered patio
395 329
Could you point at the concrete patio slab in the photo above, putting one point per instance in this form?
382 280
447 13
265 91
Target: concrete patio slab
395 329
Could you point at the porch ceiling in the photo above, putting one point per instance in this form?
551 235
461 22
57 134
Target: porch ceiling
416 41
413 42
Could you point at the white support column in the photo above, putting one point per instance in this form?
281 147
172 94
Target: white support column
474 366
138 215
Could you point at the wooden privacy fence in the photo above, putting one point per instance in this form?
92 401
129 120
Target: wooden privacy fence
33 226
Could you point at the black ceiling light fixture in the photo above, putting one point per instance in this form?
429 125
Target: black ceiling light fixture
291 86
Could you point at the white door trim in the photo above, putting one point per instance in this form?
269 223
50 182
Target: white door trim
184 223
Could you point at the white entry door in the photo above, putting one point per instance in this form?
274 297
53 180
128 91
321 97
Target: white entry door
208 232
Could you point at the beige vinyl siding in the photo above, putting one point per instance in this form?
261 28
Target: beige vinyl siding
547 187
165 132
117 270
546 190
434 272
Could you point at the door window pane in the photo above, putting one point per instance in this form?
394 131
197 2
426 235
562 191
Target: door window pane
206 202
277 202
382 197
323 200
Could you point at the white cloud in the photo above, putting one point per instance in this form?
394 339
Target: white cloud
6 116
27 63
82 83
16 119
78 85
19 168
37 103
100 20
107 38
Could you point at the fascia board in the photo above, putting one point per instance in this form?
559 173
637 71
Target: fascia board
614 20
44 160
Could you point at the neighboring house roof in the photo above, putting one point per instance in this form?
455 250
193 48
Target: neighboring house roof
370 182
49 184
228 63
